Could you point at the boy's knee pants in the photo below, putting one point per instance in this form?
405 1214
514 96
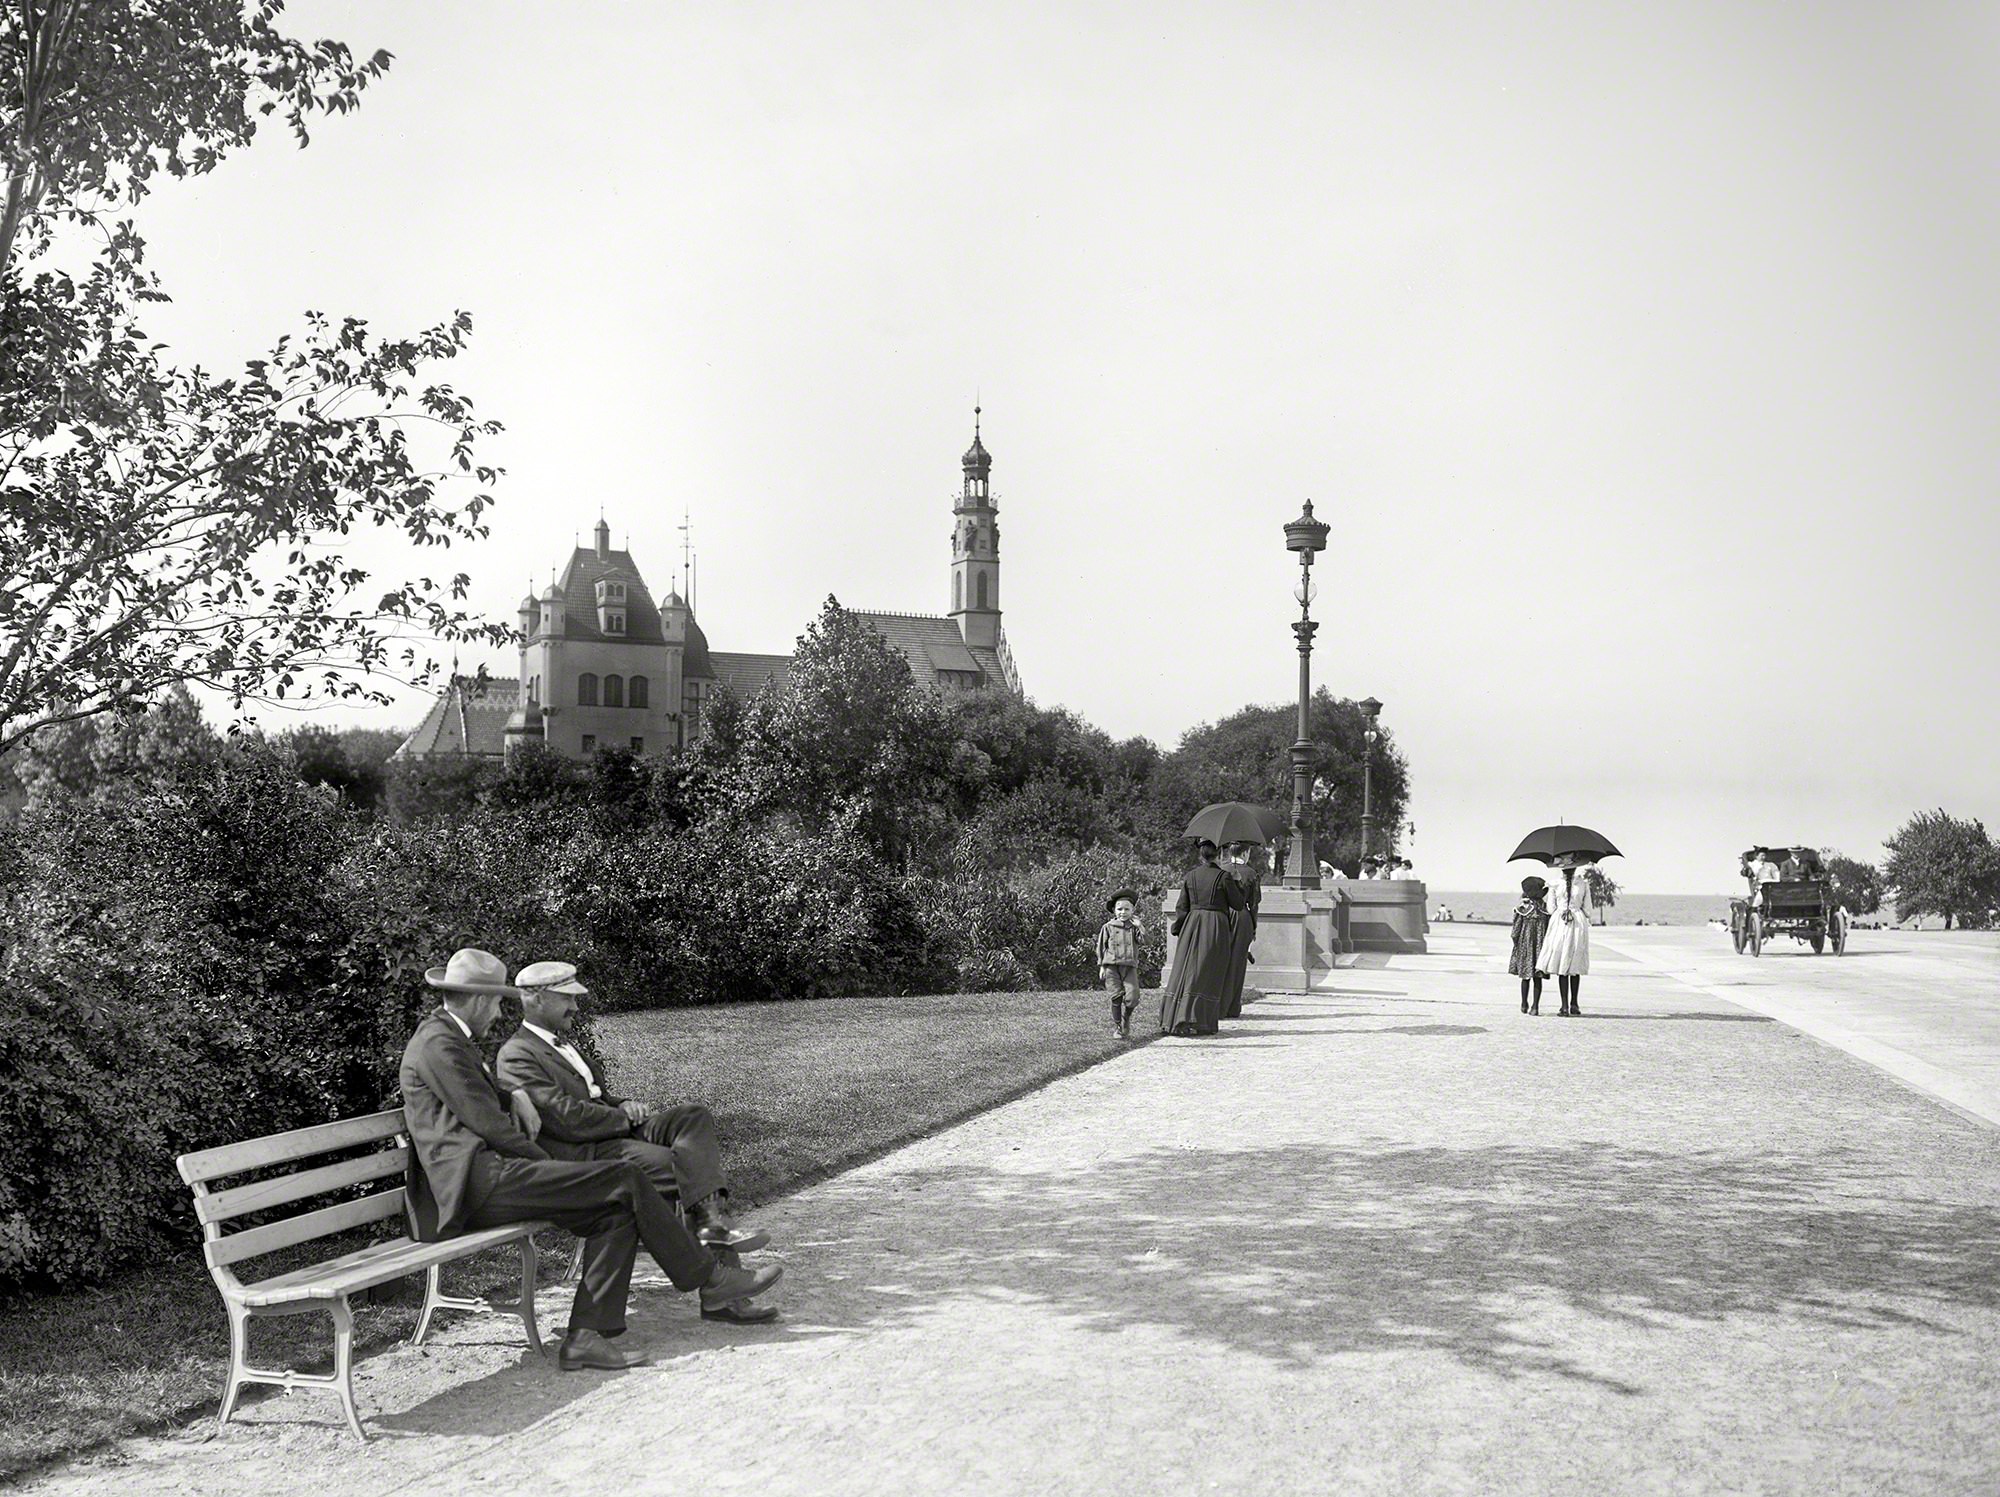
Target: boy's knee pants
1122 983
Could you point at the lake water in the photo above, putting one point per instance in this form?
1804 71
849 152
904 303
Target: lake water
1654 909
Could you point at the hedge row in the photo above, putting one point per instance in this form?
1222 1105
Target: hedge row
228 954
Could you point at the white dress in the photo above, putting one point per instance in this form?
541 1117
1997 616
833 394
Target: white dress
1566 948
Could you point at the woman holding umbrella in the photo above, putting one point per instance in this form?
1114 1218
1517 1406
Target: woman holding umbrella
1566 948
1204 919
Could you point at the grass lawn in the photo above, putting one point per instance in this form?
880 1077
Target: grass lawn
801 1091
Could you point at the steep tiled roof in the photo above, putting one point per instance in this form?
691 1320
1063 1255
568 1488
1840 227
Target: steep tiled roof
465 719
931 644
745 675
579 584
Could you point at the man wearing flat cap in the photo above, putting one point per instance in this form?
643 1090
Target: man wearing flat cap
582 1118
476 1163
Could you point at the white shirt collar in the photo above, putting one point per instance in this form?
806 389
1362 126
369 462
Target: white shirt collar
546 1036
463 1027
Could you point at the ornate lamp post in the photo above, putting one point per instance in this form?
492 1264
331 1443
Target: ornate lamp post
1371 709
1306 536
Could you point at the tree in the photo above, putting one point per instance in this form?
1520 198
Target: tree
1941 865
1603 892
149 743
1248 756
851 729
161 525
1857 886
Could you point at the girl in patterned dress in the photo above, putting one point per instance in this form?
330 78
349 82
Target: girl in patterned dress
1531 924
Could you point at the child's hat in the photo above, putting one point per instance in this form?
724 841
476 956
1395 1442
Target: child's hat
1534 886
1111 904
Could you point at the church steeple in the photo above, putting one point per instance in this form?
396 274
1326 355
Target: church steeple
975 549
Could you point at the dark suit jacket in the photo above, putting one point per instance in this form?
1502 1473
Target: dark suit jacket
531 1064
456 1116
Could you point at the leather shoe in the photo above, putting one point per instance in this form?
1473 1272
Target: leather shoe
742 1314
729 1284
585 1350
726 1237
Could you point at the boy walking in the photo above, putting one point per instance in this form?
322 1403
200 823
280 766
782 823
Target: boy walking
1118 958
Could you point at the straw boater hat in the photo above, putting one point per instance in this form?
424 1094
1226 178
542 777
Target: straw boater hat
1111 904
471 970
551 977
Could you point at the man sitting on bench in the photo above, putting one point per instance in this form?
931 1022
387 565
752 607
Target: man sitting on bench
478 1165
583 1119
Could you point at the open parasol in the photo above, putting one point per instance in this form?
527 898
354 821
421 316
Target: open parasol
1577 843
1236 821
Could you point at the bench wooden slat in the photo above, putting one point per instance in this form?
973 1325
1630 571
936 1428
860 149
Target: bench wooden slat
377 1264
241 1200
280 1148
293 1230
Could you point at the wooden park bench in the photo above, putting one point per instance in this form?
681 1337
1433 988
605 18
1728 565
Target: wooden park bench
327 1285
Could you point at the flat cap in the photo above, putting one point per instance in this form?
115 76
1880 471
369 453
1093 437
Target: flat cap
553 977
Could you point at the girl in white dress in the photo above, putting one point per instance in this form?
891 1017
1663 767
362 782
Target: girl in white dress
1566 948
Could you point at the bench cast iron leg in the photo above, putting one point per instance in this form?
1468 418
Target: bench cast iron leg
530 1258
343 1363
433 1294
239 1359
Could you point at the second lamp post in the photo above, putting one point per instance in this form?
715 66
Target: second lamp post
1307 537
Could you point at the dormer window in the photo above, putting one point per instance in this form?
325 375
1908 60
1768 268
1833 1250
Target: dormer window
614 621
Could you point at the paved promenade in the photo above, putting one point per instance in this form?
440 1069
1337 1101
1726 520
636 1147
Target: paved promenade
1398 1238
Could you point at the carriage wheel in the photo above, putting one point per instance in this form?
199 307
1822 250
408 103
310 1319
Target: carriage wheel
1818 942
1736 935
1756 935
1840 933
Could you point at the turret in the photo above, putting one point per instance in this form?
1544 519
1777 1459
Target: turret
975 549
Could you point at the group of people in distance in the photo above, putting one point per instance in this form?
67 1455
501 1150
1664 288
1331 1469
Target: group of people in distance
539 1136
1372 867
1551 938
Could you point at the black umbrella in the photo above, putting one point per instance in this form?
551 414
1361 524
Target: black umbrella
1236 821
1547 843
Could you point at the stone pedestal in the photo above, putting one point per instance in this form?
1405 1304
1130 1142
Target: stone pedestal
1388 914
1303 935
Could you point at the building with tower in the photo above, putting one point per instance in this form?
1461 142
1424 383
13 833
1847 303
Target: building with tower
603 664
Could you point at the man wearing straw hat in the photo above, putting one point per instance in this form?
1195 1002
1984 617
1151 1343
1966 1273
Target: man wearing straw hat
476 1163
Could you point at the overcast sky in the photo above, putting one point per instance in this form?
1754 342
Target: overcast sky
1643 358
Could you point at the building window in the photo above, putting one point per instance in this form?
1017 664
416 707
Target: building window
982 589
586 690
590 743
636 692
614 623
614 691
638 745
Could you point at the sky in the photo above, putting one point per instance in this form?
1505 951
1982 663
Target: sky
1644 360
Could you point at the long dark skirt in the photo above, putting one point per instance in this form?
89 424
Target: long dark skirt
1239 964
1200 979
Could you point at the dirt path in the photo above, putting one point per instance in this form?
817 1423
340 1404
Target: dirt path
1396 1238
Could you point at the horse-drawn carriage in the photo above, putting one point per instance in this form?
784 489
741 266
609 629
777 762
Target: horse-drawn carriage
1800 903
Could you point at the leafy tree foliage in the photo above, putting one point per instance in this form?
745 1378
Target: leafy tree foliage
94 757
162 525
851 731
1857 886
1248 756
1942 865
1601 888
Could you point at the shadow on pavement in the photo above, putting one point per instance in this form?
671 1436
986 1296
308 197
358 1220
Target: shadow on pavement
1358 1250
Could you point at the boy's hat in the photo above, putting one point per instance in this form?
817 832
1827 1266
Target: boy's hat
1534 886
1111 904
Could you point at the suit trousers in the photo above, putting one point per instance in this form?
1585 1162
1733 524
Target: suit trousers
612 1206
677 1149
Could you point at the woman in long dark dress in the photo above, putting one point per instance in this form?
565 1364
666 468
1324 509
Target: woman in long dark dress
1210 898
1243 869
